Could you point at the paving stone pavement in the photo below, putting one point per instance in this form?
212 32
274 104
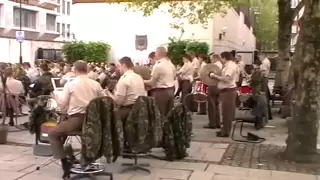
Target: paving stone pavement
204 162
19 164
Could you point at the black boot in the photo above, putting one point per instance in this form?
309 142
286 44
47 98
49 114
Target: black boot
66 166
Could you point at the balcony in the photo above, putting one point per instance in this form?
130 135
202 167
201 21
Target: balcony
29 33
29 2
48 35
49 4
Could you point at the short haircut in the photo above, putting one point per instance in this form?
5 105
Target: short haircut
216 56
81 66
152 55
126 61
162 50
62 64
44 67
187 56
226 55
112 64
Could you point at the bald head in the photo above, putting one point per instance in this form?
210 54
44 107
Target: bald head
161 52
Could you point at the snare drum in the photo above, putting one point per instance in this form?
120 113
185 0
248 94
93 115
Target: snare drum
200 92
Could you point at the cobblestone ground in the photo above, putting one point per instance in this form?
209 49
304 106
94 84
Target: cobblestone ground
210 158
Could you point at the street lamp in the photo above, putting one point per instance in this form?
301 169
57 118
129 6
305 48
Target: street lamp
20 29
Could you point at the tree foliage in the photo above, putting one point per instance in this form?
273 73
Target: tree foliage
266 23
195 12
91 51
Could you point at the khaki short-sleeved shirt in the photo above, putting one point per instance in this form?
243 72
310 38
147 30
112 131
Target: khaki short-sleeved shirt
229 69
130 86
265 67
93 75
219 64
80 92
164 73
186 71
196 64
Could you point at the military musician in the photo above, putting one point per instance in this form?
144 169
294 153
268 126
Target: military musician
213 99
265 69
185 77
227 91
162 81
129 87
202 106
75 100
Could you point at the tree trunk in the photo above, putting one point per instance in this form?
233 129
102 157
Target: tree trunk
284 41
303 129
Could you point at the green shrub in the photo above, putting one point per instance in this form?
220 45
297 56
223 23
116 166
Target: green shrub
90 52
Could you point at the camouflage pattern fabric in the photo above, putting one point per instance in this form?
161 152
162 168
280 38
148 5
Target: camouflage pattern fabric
177 132
144 125
101 131
38 114
256 81
260 110
43 85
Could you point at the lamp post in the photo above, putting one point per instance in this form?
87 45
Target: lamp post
20 29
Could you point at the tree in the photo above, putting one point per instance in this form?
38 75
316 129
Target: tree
303 130
266 27
286 19
196 12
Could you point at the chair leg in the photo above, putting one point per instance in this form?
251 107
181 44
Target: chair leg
241 130
46 162
234 128
135 166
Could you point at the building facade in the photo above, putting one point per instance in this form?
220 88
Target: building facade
120 29
44 22
295 26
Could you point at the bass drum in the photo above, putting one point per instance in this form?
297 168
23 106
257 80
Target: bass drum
200 92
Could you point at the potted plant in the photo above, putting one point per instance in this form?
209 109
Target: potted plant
4 128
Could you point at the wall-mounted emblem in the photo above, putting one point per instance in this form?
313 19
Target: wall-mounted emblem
141 42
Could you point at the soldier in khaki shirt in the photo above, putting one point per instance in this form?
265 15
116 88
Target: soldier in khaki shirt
213 100
75 99
202 60
185 75
129 87
265 69
196 64
227 89
162 81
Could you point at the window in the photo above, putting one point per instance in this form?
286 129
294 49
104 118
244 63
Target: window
51 22
63 7
28 18
63 30
58 28
68 8
58 8
68 30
